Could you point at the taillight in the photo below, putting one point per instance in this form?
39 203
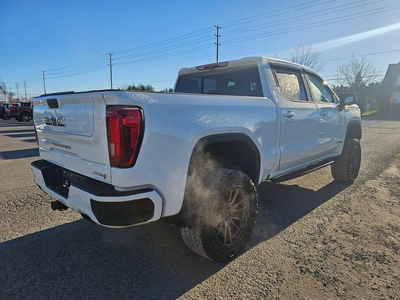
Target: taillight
124 133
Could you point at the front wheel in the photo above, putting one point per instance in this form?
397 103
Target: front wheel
225 207
7 117
346 167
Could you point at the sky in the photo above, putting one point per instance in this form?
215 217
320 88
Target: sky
70 42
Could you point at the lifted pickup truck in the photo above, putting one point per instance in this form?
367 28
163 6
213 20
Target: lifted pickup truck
21 111
194 157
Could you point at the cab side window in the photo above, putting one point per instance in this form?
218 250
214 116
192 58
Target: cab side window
319 90
290 84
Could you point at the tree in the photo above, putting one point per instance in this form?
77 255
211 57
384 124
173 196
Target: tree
357 72
3 89
359 75
305 54
10 97
140 88
167 90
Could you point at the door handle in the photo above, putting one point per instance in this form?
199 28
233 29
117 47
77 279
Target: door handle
289 114
323 113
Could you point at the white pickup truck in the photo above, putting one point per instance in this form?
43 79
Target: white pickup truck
195 156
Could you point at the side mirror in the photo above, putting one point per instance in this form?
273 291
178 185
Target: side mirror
347 99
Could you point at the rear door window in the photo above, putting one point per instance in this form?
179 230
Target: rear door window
290 84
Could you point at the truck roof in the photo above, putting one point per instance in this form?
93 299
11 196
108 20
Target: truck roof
243 62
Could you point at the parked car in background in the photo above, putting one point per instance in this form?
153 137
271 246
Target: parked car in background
2 110
21 111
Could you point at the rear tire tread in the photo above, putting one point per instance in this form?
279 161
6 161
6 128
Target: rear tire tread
196 235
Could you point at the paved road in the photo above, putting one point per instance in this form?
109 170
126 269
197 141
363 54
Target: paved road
57 255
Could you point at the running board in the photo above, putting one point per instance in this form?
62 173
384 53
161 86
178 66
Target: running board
303 171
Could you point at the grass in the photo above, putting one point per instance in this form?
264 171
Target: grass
369 113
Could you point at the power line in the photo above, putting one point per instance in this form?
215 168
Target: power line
274 13
78 69
318 13
168 41
164 49
94 64
315 24
187 43
359 55
80 73
89 61
164 56
178 46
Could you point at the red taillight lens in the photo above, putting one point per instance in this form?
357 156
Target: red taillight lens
124 129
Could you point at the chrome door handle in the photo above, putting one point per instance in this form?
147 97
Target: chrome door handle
289 114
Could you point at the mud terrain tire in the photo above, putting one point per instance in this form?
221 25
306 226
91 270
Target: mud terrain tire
346 167
225 215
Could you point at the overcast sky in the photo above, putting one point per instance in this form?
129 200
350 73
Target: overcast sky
151 40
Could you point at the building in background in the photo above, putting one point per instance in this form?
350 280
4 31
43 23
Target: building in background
390 96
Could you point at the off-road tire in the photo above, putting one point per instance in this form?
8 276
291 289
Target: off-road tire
346 167
225 215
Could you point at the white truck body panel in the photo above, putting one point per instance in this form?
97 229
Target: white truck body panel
74 136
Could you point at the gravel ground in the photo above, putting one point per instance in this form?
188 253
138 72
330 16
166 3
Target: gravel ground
348 249
314 238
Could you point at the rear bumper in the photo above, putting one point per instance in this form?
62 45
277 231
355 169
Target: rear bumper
98 200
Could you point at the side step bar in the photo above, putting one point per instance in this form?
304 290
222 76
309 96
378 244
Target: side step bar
303 171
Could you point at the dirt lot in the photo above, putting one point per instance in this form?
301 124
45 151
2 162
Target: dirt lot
350 250
314 238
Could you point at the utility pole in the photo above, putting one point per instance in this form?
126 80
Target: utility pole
44 83
111 70
26 95
16 85
218 36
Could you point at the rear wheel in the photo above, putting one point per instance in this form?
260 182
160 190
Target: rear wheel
346 167
24 118
225 209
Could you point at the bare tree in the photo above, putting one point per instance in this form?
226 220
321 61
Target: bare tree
357 72
3 89
305 54
10 96
359 75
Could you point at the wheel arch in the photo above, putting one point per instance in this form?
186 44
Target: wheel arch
236 151
354 130
24 113
217 149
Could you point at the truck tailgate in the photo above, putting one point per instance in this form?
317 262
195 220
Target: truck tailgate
71 131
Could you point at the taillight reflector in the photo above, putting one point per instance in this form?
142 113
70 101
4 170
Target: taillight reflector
124 129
